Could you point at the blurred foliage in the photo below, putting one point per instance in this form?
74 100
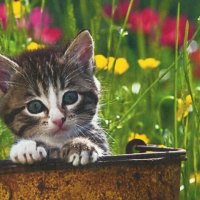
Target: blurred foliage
123 109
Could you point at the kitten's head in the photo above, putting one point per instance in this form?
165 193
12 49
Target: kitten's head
49 92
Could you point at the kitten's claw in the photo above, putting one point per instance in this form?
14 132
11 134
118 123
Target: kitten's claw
27 152
81 151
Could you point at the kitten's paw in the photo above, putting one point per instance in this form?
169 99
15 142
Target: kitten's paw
27 152
81 151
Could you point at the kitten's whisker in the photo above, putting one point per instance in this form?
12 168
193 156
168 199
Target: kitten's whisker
79 130
12 83
76 131
83 120
91 134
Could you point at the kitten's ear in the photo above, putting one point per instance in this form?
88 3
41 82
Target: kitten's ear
81 51
7 69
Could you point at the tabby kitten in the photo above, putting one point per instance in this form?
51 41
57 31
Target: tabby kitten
49 99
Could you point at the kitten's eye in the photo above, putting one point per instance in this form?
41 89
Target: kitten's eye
35 107
70 97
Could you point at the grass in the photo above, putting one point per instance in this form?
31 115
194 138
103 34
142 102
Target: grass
152 111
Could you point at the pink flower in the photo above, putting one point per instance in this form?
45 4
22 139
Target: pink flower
39 18
41 26
107 9
195 58
38 24
147 20
134 21
121 9
196 71
3 15
168 33
51 35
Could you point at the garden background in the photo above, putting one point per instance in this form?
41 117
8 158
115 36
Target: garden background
148 61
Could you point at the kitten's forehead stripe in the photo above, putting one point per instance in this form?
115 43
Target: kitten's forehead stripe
40 89
55 112
58 84
52 97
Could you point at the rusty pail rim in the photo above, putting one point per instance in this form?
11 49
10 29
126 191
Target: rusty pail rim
151 154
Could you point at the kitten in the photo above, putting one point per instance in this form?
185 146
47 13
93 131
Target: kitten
49 99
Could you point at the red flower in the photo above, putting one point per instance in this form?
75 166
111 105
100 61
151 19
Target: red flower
120 11
168 36
196 71
134 21
3 15
40 24
39 18
147 20
195 58
51 35
107 9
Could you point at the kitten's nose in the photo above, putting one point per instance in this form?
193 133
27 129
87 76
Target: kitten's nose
59 122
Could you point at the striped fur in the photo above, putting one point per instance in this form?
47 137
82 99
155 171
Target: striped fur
45 75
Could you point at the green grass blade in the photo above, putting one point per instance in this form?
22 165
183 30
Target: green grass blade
176 76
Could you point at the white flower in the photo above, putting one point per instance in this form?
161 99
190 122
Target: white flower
136 88
193 46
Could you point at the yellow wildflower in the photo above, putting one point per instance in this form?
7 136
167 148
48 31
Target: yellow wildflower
148 63
188 100
110 63
184 107
142 137
101 61
121 64
33 46
195 178
18 9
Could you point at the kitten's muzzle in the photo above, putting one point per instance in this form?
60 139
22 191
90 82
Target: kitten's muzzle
59 122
